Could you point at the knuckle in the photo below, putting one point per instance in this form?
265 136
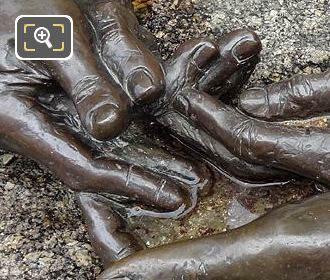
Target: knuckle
300 87
84 88
246 139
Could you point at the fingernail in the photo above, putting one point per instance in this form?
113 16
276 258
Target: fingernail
246 49
205 55
106 121
254 102
141 87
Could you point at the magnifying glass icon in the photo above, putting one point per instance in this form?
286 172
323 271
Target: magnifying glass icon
42 35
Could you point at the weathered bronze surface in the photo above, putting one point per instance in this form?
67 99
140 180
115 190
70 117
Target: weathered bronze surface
30 115
303 151
291 242
54 111
298 97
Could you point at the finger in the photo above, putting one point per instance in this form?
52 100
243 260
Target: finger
192 59
147 153
214 151
237 49
108 232
229 88
29 131
298 97
136 68
171 164
301 151
293 232
189 62
102 105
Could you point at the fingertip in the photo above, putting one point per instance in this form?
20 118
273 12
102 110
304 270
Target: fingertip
254 102
173 198
238 49
206 53
242 44
106 120
145 85
103 107
201 52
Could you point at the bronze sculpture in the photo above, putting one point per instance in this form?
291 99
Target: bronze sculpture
76 166
29 128
260 249
291 242
201 121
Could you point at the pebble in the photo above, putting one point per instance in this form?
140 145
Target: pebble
7 159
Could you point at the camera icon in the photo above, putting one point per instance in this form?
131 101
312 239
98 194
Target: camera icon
43 37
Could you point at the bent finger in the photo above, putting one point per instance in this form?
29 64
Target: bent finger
117 33
238 49
102 105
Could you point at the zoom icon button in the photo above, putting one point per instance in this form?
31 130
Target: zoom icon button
43 37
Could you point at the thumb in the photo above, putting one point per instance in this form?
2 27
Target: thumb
102 105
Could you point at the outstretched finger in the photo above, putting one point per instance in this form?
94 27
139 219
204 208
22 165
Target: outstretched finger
298 97
299 150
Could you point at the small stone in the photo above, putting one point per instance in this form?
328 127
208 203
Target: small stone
82 257
9 186
7 159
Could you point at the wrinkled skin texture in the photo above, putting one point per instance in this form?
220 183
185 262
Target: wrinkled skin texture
103 99
103 104
108 234
304 225
299 150
40 122
291 242
219 69
298 97
98 103
56 126
33 125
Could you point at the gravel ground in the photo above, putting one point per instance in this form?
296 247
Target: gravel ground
41 232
